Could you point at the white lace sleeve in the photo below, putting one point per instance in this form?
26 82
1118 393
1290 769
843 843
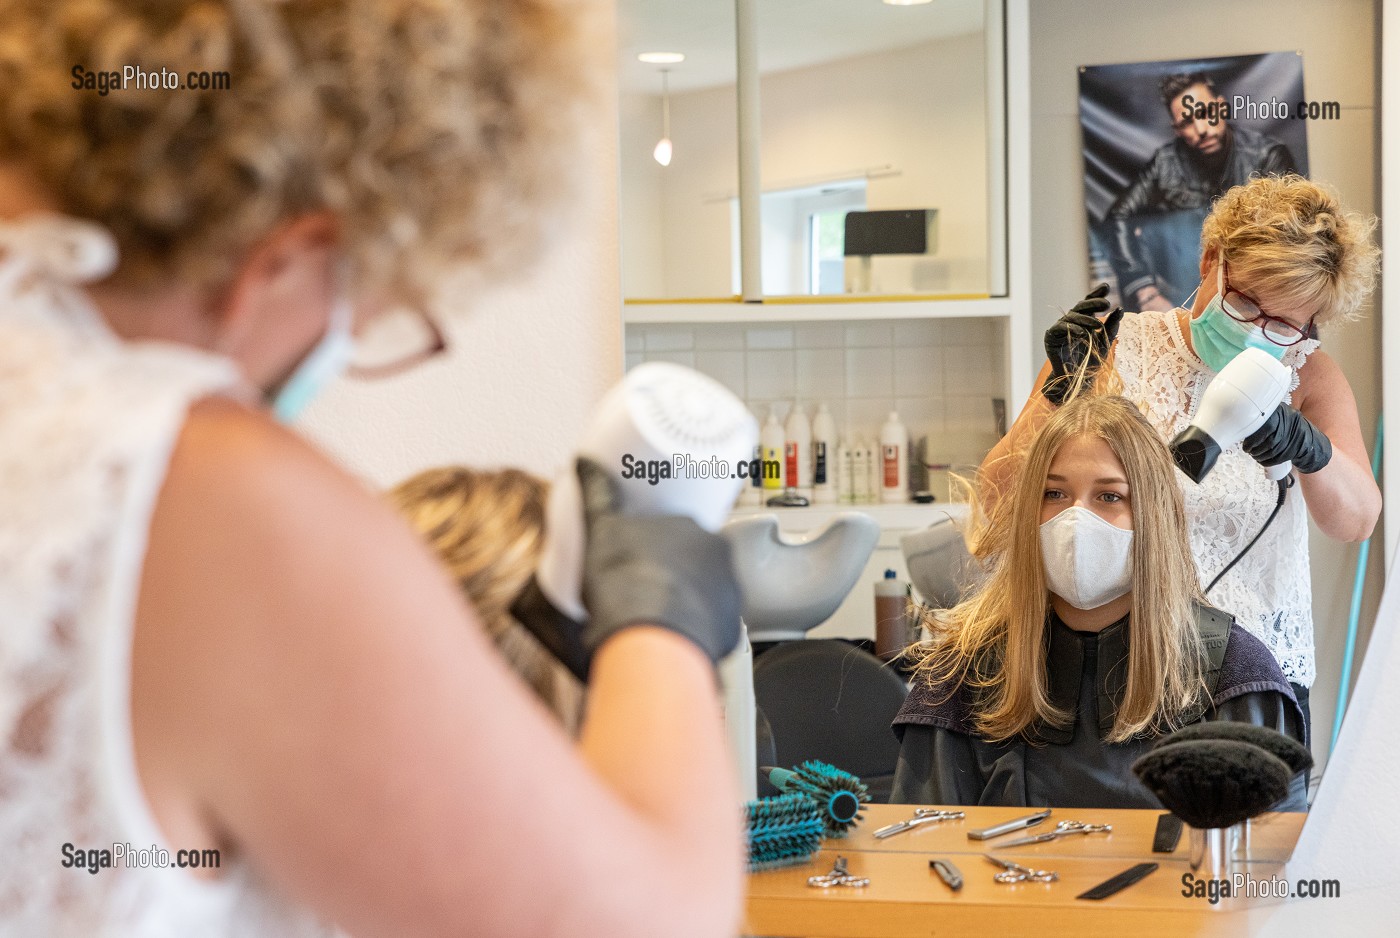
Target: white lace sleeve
1270 589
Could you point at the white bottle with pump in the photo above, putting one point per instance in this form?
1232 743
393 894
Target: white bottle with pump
824 464
894 460
798 453
772 441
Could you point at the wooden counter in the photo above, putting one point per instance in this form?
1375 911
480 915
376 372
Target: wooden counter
906 899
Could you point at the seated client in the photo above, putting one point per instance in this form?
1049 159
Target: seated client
487 527
1088 640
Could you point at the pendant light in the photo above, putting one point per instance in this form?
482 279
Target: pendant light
662 153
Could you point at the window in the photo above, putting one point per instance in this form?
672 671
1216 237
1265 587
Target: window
803 236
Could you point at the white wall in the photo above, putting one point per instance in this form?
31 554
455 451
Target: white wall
919 109
528 358
1338 41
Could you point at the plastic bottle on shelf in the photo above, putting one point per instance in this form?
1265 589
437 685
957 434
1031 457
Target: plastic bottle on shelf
798 452
824 466
860 470
872 472
845 474
753 491
892 628
894 460
772 440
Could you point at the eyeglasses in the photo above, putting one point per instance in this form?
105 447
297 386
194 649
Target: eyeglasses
395 341
1242 307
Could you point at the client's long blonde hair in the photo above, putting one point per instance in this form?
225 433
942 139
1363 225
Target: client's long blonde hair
996 639
488 528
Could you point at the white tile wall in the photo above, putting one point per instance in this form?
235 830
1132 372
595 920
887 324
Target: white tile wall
940 374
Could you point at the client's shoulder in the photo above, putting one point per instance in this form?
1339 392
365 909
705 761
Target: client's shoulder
1243 664
948 703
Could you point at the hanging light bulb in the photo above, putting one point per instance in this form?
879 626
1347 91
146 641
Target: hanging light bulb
662 153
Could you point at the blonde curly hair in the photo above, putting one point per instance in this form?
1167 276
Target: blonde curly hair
434 130
1290 239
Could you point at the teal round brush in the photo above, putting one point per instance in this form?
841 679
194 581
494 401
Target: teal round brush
782 830
840 795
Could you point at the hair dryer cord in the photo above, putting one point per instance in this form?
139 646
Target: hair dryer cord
1284 485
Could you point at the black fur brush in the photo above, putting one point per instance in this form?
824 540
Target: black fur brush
1214 783
1293 753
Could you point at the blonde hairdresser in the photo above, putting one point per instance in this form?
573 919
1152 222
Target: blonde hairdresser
214 638
1283 266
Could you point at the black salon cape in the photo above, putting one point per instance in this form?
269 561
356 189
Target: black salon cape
942 759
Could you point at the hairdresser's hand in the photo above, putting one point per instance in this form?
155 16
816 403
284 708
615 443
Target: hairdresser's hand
1076 337
1288 435
660 570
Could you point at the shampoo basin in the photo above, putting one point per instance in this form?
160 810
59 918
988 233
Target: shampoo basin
940 565
794 583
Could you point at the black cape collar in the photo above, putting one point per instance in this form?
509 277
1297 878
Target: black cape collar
1064 667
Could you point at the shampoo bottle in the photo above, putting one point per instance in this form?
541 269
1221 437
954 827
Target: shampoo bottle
892 631
845 475
798 466
860 469
894 460
771 440
823 463
753 491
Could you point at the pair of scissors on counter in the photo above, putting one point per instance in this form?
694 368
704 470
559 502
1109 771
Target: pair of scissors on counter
1062 829
840 875
1012 872
921 816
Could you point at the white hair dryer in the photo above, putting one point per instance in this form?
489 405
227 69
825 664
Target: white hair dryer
675 437
1235 404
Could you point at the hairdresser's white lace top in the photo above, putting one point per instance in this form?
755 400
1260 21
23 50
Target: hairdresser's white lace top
87 423
1270 590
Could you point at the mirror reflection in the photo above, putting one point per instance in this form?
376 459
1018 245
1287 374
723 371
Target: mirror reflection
874 147
679 221
873 138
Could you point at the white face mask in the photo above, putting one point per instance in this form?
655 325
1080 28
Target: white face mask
1088 562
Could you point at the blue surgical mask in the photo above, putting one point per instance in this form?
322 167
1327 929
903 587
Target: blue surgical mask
326 361
1218 337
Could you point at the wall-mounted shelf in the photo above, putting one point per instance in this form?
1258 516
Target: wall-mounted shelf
814 310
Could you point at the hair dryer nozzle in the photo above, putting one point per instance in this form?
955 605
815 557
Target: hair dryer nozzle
1194 451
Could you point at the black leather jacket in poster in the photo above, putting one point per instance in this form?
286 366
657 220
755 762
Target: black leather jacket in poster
1178 178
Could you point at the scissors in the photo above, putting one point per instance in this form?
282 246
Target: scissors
921 816
839 876
1062 829
1012 872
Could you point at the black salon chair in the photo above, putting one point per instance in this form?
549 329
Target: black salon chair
829 700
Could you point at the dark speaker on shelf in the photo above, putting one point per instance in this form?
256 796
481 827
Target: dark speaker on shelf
891 231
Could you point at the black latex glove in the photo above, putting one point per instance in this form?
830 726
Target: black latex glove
1073 338
662 570
1288 435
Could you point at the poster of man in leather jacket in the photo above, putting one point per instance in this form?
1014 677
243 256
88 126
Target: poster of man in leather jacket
1161 141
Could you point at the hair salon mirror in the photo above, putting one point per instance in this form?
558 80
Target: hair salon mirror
881 130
